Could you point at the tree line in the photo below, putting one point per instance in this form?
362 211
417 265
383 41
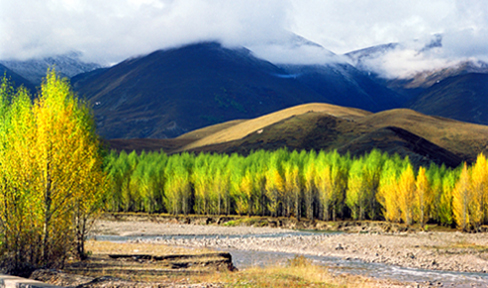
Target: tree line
315 185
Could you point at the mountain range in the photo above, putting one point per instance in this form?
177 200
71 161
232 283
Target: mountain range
169 92
174 91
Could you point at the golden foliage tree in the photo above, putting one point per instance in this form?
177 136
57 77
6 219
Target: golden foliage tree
462 197
388 193
479 184
52 169
406 189
423 196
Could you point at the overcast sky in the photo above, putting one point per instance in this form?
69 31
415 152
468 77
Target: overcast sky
109 31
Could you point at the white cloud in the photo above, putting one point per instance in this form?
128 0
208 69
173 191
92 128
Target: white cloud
403 62
112 30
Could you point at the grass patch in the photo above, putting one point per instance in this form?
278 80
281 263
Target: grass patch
461 247
231 223
470 246
298 272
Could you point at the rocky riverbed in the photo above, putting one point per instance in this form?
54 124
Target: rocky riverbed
451 251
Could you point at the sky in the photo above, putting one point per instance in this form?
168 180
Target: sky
110 31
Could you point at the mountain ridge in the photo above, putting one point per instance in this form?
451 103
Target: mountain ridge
169 92
319 126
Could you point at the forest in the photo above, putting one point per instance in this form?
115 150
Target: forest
315 185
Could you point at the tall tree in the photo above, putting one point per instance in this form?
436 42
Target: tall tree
388 195
461 199
61 171
479 181
406 189
423 196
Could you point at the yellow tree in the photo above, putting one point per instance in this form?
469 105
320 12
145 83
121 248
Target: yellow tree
479 181
274 188
18 228
388 194
461 199
53 157
406 189
244 203
67 158
423 196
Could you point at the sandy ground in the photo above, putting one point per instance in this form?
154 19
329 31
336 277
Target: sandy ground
151 228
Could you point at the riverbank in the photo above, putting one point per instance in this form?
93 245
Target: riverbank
451 251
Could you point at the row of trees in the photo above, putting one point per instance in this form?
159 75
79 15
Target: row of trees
53 178
319 185
51 175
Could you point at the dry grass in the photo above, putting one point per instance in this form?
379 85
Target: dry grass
209 130
461 138
298 272
455 136
105 248
242 129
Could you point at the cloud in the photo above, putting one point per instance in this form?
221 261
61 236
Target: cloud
403 62
111 30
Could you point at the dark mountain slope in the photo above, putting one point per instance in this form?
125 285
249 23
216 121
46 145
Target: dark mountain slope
345 85
169 92
464 98
16 79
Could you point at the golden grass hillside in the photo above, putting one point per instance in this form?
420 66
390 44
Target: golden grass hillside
324 126
244 128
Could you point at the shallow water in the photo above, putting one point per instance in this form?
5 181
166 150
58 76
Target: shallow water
247 258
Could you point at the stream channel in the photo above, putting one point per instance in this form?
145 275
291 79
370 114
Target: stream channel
247 258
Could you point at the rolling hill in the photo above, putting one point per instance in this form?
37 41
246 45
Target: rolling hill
170 92
323 126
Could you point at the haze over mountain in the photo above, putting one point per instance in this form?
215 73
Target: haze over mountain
412 65
169 92
34 70
16 79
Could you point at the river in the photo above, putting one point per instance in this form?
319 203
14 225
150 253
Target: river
243 258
